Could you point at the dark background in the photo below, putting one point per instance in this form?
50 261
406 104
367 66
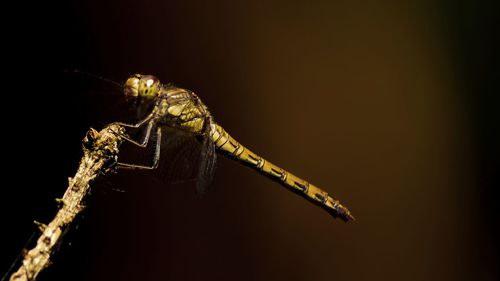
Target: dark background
391 106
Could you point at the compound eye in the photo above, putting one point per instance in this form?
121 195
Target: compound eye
131 87
148 86
150 80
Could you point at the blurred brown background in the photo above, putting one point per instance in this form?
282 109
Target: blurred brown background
388 105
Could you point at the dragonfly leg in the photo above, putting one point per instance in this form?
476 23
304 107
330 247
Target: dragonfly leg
145 139
137 125
156 157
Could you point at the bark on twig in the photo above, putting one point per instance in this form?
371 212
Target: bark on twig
100 150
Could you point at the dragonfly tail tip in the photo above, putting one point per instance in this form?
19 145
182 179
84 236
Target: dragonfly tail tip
345 215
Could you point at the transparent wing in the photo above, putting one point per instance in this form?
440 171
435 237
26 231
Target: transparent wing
179 156
208 159
186 157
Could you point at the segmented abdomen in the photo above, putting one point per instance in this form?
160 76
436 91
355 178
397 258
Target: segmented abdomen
230 147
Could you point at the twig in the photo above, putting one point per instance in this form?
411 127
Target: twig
100 150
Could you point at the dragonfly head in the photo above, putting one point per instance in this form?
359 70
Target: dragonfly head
141 88
141 92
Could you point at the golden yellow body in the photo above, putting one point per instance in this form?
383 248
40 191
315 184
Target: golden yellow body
225 143
182 109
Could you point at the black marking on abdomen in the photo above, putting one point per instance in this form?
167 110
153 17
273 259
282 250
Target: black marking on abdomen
218 138
278 172
256 159
321 197
241 152
302 187
281 174
236 146
227 139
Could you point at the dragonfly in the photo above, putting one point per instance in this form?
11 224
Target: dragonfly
160 105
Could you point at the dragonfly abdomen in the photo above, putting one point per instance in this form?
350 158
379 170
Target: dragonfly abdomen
233 149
